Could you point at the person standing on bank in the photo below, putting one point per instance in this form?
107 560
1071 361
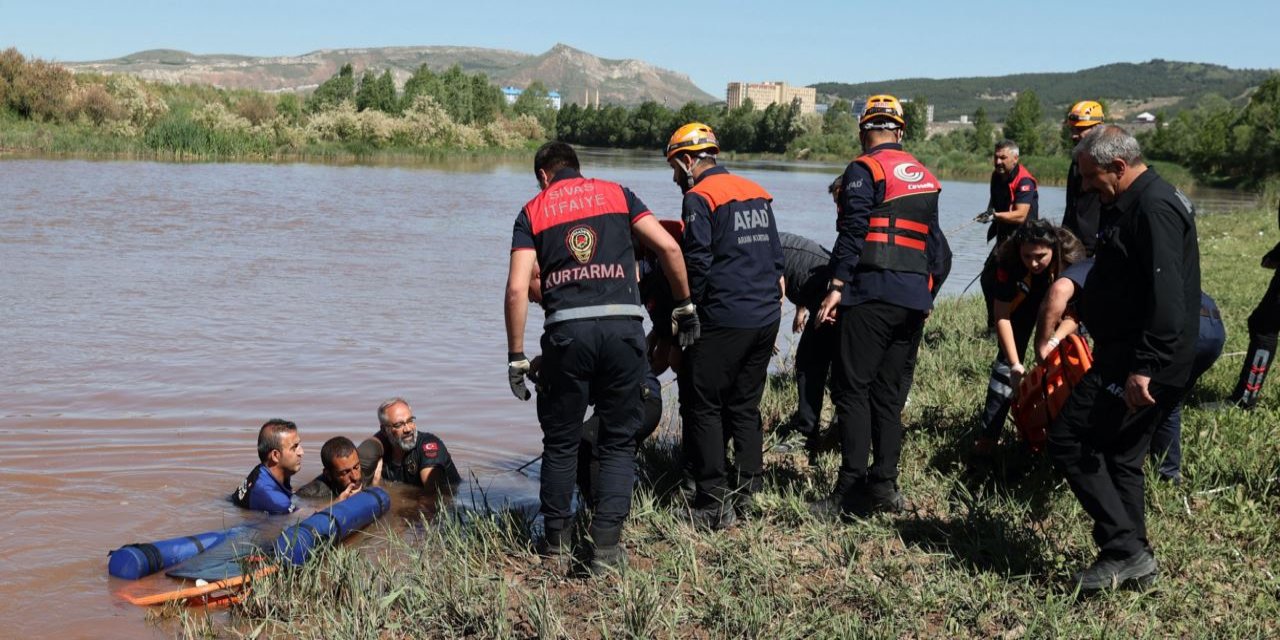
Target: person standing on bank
880 294
579 230
734 261
1014 199
1141 302
1264 324
1083 207
807 271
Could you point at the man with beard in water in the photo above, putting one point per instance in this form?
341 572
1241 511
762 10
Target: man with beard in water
407 455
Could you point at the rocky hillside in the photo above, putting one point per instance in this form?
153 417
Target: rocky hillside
570 71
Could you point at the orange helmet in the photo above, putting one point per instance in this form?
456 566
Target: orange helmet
882 107
692 137
1084 114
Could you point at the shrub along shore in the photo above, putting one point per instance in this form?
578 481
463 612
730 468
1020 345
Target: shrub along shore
978 555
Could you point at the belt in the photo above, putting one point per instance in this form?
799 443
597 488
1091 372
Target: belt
596 311
1211 313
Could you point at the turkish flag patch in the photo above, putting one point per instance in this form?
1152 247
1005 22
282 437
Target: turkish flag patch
430 448
1025 187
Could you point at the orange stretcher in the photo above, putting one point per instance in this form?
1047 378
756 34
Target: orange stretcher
1045 389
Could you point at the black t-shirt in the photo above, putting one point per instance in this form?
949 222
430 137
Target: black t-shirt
1004 195
429 451
1025 291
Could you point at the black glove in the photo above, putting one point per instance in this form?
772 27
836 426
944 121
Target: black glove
985 216
685 324
517 369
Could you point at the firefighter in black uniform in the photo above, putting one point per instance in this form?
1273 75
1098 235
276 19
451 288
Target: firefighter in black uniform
1264 324
1141 302
1083 207
1014 199
579 230
880 293
734 261
807 271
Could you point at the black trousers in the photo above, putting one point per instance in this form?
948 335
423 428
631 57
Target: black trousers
722 380
878 342
588 449
1264 324
814 357
1100 446
600 360
1000 389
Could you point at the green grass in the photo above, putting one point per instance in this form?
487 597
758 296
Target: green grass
979 555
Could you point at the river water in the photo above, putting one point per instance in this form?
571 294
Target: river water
153 315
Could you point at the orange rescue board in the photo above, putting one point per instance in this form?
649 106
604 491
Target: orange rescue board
207 594
1045 389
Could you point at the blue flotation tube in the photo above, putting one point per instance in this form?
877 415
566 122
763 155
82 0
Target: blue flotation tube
141 559
331 525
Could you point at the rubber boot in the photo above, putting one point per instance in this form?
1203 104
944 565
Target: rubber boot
607 554
1257 361
556 548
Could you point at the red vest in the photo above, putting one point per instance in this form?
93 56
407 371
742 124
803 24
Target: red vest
900 224
1013 184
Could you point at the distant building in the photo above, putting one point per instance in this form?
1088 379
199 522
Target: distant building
1145 116
763 94
511 93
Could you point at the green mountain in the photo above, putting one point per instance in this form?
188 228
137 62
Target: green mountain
1128 88
570 71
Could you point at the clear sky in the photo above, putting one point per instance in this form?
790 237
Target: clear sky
713 41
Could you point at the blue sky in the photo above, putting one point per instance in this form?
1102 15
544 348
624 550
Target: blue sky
712 41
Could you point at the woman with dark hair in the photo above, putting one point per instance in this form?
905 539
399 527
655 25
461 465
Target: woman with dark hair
1027 264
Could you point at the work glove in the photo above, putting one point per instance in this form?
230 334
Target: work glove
985 216
684 323
517 369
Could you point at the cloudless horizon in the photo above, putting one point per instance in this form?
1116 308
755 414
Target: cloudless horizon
714 42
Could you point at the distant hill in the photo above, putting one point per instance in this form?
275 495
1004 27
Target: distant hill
570 71
1128 87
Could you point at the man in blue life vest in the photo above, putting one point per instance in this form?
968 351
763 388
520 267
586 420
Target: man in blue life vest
1083 207
734 261
1014 199
267 487
879 296
579 232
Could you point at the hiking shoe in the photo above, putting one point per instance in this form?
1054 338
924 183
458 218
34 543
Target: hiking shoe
555 550
984 447
1108 572
794 442
830 508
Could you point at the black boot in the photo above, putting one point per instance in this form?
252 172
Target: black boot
607 554
1257 360
556 548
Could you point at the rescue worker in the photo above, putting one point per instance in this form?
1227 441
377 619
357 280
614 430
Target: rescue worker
268 486
1014 200
1083 207
880 295
1026 266
1264 324
734 261
579 231
807 271
1059 311
398 452
1142 306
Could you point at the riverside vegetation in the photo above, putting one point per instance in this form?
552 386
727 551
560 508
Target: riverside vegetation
978 555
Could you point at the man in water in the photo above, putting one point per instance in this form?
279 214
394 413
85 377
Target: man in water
407 455
267 487
342 476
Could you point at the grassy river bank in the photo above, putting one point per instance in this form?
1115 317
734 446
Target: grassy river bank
979 555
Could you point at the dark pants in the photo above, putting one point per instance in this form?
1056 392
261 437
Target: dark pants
877 342
1099 445
600 360
1166 442
987 281
1264 324
814 356
588 449
723 377
1000 389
